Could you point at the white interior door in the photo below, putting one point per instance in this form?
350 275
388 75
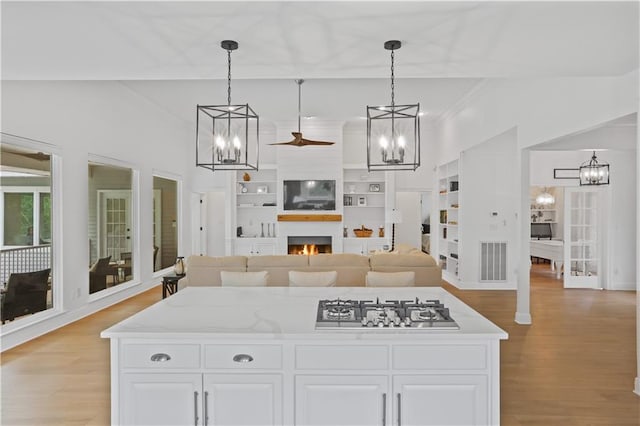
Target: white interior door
582 238
114 218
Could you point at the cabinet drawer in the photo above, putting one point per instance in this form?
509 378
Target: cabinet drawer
349 357
444 357
243 356
166 356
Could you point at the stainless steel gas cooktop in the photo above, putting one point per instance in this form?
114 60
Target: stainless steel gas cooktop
408 314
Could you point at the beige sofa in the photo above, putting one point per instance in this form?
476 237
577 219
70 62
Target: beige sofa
352 268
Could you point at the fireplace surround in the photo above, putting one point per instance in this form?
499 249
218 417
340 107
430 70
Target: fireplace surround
308 244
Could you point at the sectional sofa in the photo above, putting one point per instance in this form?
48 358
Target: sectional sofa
351 268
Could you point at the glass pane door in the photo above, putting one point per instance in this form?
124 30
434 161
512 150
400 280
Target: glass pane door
581 241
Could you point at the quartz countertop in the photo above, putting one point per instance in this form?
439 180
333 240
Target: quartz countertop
284 313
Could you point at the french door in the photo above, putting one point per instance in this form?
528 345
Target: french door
114 217
583 238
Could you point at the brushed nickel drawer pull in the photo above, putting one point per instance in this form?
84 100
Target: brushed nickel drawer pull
243 358
160 357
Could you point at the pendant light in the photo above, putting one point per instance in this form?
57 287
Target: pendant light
545 198
227 135
393 131
594 173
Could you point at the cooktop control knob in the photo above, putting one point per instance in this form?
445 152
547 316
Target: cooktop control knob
407 321
380 324
386 321
396 320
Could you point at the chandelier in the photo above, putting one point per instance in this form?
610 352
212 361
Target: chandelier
545 198
393 131
594 173
227 135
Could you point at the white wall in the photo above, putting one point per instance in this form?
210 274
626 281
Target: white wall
488 184
108 120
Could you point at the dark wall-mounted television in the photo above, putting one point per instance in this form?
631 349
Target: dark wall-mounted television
309 194
541 231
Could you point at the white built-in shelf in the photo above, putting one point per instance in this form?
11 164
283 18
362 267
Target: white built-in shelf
256 207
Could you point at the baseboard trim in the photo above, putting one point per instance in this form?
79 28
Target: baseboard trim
637 389
524 319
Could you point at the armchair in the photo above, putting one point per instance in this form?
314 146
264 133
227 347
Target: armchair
26 293
98 275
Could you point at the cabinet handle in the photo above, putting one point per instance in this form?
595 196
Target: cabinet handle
384 409
195 407
399 410
160 357
243 358
206 408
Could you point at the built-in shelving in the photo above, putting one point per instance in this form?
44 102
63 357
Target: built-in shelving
254 218
364 203
448 220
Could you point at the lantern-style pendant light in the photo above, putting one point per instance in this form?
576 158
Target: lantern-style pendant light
594 173
393 131
227 135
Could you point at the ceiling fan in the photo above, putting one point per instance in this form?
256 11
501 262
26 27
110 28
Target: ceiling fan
298 140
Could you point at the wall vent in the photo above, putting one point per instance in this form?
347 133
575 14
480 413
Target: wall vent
493 261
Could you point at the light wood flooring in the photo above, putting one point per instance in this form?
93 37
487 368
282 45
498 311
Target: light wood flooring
574 366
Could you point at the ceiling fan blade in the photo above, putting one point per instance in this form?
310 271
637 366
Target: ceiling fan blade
298 140
312 142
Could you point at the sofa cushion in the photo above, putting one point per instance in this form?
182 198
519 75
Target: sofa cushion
339 259
312 279
401 260
205 270
243 279
351 268
391 279
283 261
278 267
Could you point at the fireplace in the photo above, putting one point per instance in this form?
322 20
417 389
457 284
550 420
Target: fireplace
308 245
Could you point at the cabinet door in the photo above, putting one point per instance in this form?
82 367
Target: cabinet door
265 248
440 400
160 399
340 400
243 399
243 247
354 246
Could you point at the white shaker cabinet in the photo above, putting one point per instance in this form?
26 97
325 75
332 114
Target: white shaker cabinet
341 400
196 399
161 399
241 399
422 400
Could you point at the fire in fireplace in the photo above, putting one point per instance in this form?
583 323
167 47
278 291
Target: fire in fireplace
308 245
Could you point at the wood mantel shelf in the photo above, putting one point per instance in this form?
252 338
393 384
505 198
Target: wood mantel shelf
309 218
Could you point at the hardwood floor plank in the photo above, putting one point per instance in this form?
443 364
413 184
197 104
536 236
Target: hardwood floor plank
574 365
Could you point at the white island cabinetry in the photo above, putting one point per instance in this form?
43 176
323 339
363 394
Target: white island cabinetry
191 359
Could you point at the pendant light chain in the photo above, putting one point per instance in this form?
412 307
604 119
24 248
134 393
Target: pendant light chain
393 103
229 77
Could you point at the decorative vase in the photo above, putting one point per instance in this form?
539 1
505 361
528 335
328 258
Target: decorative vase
381 232
246 177
178 268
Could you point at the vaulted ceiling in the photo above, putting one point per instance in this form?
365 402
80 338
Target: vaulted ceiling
448 47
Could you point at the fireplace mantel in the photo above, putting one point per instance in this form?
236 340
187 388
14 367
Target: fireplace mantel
309 218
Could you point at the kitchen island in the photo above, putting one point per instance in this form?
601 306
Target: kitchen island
253 356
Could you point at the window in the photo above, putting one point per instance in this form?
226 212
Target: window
26 232
110 230
165 222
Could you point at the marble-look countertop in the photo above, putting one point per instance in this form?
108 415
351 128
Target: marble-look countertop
284 313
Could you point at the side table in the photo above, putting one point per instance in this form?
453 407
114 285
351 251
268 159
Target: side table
170 284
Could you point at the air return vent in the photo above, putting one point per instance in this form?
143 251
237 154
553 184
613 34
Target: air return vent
493 261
